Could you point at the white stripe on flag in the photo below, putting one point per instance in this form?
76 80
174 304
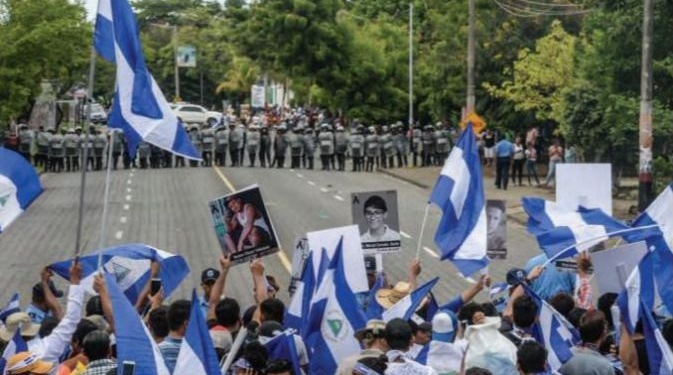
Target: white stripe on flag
188 362
456 169
397 310
474 244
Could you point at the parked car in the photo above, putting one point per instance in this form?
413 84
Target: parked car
195 114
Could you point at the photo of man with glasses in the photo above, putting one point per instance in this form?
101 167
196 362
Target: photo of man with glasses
379 229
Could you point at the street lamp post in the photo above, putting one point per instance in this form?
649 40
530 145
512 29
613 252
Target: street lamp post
174 37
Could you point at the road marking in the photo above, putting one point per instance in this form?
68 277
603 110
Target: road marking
405 235
127 206
119 234
430 251
281 253
224 179
311 183
300 175
128 190
122 219
128 197
131 175
339 198
128 182
324 190
291 170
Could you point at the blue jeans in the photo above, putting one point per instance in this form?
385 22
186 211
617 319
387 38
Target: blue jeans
551 174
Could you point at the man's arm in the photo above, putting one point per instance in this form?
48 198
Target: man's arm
100 287
218 287
142 298
414 271
257 270
249 212
49 298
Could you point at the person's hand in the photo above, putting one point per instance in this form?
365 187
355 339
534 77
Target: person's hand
415 268
46 274
75 272
99 285
484 281
583 263
225 263
534 273
257 267
157 299
154 269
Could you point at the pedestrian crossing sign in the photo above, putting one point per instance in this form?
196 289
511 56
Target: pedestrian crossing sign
478 124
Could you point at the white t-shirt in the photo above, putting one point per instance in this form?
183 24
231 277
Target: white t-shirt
388 235
400 364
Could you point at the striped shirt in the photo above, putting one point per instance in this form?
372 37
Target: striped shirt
170 348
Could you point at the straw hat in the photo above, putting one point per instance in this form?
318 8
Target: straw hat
18 320
27 362
387 297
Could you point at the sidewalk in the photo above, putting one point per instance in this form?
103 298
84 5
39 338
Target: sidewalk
426 177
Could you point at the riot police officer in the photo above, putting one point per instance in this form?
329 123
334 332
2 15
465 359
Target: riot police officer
309 148
341 147
26 140
56 152
428 140
389 149
99 143
280 146
264 147
357 148
416 143
71 145
326 142
372 142
208 145
156 156
401 145
42 154
253 138
195 138
143 154
241 146
221 146
442 144
296 146
117 146
235 139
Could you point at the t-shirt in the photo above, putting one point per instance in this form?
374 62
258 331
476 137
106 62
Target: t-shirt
489 140
551 281
170 348
36 314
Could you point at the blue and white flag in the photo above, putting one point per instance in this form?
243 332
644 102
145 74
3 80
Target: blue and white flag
553 331
19 186
638 291
16 345
130 263
197 354
659 352
406 307
459 193
283 347
139 107
13 306
333 319
134 341
374 309
297 311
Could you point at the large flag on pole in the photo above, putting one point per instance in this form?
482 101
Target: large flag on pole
139 107
19 186
197 354
406 307
459 192
297 310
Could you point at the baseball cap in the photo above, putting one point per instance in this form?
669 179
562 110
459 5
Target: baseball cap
444 326
27 362
39 292
209 274
515 276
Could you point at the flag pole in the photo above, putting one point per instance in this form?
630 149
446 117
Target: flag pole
106 199
420 236
85 152
621 231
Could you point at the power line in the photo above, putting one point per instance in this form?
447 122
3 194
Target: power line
527 10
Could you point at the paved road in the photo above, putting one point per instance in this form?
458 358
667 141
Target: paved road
167 208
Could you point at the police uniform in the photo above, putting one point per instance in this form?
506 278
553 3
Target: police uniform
296 147
264 147
389 151
195 138
428 140
279 147
241 146
253 138
442 145
42 154
309 148
416 144
326 142
221 146
156 156
208 146
235 139
340 147
56 152
99 143
372 142
26 140
71 145
357 148
117 146
143 154
401 145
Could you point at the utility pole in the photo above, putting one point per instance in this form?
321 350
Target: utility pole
177 68
411 64
645 193
469 108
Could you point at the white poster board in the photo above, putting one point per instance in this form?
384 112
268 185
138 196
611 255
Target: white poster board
352 250
588 185
613 266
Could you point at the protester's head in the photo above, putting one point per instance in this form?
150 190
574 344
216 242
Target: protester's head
375 211
371 365
208 277
228 314
256 355
444 326
490 309
575 316
524 311
84 327
94 306
398 334
531 358
471 313
279 367
423 333
178 315
38 298
158 323
593 327
96 345
563 303
270 328
27 363
272 309
477 371
604 304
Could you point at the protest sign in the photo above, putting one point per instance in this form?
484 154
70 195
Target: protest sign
328 239
496 213
375 213
299 256
243 226
587 185
613 266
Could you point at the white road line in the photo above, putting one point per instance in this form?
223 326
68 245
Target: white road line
311 183
405 235
300 175
339 198
324 190
430 251
291 170
128 182
119 234
126 207
128 197
128 190
122 219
